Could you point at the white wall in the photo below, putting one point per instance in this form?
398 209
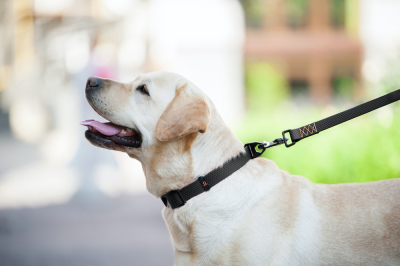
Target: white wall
202 40
380 34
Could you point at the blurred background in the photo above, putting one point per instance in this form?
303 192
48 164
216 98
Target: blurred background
268 65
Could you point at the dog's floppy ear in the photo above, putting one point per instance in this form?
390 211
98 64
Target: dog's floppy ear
186 113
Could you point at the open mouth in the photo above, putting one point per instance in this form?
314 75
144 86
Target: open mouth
106 132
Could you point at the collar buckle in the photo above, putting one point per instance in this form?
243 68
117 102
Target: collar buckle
174 198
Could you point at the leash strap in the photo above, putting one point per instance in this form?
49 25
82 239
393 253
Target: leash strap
314 128
178 198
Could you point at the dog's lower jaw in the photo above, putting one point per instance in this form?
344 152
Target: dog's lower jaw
134 155
167 166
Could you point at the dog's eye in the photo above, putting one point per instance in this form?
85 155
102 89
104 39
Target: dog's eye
142 88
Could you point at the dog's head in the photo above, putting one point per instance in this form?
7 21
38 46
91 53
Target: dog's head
155 119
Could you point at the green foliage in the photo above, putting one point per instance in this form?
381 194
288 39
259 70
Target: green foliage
344 86
338 13
297 10
351 18
364 149
266 88
253 10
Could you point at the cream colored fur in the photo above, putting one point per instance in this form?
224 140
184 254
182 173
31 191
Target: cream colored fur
260 215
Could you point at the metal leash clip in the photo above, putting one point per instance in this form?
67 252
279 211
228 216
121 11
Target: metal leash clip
257 148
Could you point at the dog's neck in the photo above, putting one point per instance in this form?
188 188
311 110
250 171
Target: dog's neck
209 151
192 156
213 148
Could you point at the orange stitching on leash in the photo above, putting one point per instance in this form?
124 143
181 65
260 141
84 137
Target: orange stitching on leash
309 129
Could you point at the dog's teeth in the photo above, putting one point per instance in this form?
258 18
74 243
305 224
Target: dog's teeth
123 131
128 130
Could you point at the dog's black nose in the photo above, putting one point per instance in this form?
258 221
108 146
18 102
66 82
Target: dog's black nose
92 82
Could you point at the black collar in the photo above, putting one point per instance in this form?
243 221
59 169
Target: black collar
178 198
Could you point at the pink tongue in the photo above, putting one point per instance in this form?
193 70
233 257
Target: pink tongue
107 129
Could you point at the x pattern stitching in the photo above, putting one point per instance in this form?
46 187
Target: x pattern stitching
308 130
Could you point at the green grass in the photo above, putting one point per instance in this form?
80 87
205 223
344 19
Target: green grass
361 150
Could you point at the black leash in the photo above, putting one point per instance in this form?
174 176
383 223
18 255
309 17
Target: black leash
178 198
314 128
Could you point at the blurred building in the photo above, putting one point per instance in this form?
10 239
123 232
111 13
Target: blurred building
49 49
314 44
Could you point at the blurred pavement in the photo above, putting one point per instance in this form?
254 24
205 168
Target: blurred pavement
122 231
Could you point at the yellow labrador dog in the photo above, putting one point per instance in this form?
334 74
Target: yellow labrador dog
259 215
